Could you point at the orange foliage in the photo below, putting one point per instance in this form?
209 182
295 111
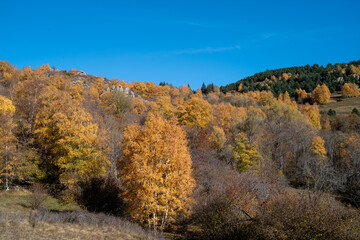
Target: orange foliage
321 94
350 90
156 171
300 95
312 113
196 112
227 116
318 148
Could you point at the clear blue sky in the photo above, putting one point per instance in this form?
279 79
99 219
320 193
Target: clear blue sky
179 42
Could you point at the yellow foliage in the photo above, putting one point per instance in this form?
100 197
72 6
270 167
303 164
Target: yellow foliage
301 95
76 91
7 109
227 116
141 89
198 94
156 171
246 156
267 98
218 138
321 94
151 106
285 111
349 148
286 76
350 90
165 107
99 84
254 95
185 91
312 113
318 148
7 141
59 82
154 90
285 98
26 73
174 92
164 90
139 106
7 76
44 68
116 102
94 93
256 113
67 137
195 112
354 69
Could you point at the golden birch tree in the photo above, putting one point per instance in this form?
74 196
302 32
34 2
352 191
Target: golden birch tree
7 140
196 113
312 113
67 139
350 90
321 94
156 171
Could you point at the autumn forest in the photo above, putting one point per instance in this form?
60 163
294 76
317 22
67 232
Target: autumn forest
256 159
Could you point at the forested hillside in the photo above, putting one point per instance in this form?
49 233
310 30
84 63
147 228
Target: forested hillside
241 164
305 77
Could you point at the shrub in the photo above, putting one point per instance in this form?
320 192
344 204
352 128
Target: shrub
306 216
37 197
355 111
101 194
227 216
331 112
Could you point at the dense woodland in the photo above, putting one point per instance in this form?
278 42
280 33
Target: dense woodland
306 77
253 160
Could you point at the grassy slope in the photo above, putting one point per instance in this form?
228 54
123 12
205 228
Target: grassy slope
19 202
61 221
341 105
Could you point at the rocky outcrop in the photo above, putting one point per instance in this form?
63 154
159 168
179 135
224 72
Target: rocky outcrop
126 91
340 79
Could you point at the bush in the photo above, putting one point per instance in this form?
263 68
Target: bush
37 197
306 216
331 112
283 216
355 111
101 195
227 216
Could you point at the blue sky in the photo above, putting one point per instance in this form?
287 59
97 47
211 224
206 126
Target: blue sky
179 42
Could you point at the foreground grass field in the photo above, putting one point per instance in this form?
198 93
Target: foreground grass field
342 106
59 221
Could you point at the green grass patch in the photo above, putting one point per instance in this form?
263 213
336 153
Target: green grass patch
20 201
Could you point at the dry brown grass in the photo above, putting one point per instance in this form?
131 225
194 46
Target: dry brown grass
48 225
341 105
